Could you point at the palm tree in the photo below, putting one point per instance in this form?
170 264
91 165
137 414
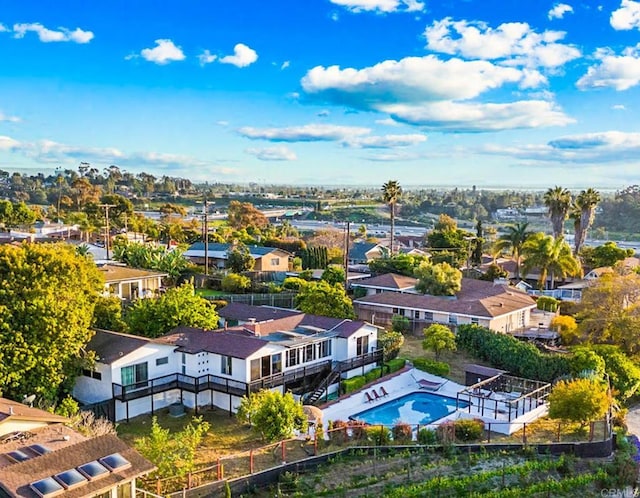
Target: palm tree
583 214
551 256
391 192
513 241
558 201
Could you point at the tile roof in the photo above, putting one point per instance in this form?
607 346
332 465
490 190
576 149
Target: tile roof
230 343
13 410
244 312
477 298
113 273
387 281
359 250
15 479
110 346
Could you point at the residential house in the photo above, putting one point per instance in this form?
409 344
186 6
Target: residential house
387 282
130 283
493 305
361 253
40 456
266 258
306 354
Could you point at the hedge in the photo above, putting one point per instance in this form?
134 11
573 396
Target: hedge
548 303
395 365
372 375
353 384
503 351
433 367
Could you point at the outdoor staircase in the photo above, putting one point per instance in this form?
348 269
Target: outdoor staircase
324 385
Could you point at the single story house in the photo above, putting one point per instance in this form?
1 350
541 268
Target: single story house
306 354
361 253
266 258
42 456
493 305
387 282
130 283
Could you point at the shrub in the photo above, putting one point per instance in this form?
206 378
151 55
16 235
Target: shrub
235 283
400 324
359 430
218 303
402 433
446 432
336 430
293 283
378 434
390 342
373 374
353 384
427 436
395 365
469 429
433 367
548 303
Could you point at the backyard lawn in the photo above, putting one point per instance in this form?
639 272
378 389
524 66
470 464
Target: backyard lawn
209 292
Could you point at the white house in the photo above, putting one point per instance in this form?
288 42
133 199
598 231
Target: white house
130 283
303 353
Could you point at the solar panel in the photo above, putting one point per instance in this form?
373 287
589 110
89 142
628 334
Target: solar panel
18 456
46 487
40 449
93 470
115 462
71 478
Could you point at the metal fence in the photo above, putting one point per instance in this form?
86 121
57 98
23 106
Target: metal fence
280 300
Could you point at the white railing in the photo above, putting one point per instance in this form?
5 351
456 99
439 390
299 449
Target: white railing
564 294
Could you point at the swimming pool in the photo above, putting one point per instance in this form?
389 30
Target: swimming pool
412 408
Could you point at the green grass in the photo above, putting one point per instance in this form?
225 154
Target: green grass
209 292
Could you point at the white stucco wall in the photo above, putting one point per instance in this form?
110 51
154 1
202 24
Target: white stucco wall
89 390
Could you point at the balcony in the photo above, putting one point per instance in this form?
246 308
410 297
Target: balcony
360 361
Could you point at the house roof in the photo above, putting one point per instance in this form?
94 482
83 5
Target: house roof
476 298
245 312
359 250
231 343
387 281
220 250
110 346
113 273
13 410
15 478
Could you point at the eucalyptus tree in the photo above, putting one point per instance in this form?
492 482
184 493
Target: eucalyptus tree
391 192
558 202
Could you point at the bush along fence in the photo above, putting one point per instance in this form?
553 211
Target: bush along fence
359 381
466 434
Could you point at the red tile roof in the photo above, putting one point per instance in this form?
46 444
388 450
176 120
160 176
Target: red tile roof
387 281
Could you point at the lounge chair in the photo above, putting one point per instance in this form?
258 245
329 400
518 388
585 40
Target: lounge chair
375 394
369 398
383 391
429 385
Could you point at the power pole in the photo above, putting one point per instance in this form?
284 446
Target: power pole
107 239
206 236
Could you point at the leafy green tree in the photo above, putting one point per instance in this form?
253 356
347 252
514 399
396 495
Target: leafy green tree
239 259
172 453
438 280
567 327
494 272
579 400
15 214
448 243
333 275
402 264
624 373
438 338
245 215
550 256
151 257
320 298
607 254
513 242
107 314
400 324
153 317
294 283
390 341
274 415
558 202
235 283
391 192
47 298
586 359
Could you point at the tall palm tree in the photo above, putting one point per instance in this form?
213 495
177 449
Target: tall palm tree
391 192
513 241
585 210
558 202
551 256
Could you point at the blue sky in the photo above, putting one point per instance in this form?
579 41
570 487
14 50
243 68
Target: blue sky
523 93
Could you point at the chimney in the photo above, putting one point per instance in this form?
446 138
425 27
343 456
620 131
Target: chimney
252 320
10 410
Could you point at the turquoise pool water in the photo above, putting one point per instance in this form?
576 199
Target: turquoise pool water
413 408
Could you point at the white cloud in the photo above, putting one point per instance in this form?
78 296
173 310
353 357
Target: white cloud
280 153
206 57
386 141
559 10
478 117
627 16
10 119
512 43
305 133
48 35
242 56
382 6
3 28
285 65
387 122
617 71
222 123
164 52
8 143
618 107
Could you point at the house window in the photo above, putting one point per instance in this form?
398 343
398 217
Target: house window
402 312
362 345
137 375
255 369
92 373
124 490
309 353
475 320
225 365
453 319
276 363
184 359
293 357
324 349
428 315
275 261
162 361
395 310
416 315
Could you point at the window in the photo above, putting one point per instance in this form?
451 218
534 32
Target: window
309 353
475 320
255 369
324 349
225 365
137 375
428 315
402 312
162 361
124 490
416 315
453 319
266 366
293 357
276 363
184 359
395 310
92 373
362 345
275 261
